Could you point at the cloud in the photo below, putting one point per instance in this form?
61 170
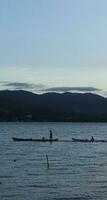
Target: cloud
40 88
21 86
104 93
17 85
69 89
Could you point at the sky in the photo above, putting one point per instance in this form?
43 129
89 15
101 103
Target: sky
53 45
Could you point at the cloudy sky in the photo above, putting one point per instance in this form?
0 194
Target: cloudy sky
53 45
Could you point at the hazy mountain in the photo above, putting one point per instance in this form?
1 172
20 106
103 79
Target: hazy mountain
26 106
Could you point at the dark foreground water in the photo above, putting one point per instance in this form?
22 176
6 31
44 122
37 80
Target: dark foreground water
78 171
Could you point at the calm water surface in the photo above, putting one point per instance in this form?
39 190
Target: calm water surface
78 171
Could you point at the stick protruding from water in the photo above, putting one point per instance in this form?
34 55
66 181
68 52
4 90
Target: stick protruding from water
47 161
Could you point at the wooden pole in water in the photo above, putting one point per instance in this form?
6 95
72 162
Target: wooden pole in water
47 161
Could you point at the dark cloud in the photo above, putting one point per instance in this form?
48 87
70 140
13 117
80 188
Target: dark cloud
21 86
68 89
42 88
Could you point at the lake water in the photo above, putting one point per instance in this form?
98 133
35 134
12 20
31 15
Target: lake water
77 171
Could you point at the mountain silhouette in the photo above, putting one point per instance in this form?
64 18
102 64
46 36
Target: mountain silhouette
27 106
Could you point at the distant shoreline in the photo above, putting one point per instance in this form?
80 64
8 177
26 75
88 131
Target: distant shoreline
55 121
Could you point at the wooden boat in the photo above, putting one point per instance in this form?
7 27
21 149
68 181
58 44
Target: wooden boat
87 140
80 140
35 140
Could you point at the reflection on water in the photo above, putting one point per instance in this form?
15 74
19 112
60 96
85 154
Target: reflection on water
76 171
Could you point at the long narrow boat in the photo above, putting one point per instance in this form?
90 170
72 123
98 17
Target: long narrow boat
35 140
87 140
80 140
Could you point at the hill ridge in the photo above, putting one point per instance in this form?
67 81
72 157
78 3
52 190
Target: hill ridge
20 105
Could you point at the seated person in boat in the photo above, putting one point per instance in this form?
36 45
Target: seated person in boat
92 139
43 138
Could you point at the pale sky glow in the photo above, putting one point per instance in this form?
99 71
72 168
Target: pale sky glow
60 43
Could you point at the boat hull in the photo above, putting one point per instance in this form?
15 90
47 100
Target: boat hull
86 140
80 140
35 140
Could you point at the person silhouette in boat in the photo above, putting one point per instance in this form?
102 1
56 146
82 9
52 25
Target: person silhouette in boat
50 134
43 138
92 139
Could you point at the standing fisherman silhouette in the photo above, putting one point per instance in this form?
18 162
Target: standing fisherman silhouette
50 134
